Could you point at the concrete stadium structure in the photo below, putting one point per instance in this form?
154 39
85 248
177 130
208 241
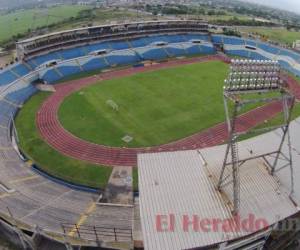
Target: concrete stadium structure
33 204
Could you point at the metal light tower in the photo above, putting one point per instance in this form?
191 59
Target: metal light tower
250 82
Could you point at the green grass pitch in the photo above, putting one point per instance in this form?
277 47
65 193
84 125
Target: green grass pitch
153 107
49 159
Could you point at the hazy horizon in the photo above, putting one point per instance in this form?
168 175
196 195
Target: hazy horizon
290 5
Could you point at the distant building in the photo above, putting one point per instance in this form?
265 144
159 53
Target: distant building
84 2
296 45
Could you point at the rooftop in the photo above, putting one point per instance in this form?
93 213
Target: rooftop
182 184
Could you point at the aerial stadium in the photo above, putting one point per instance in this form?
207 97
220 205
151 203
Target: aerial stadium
116 137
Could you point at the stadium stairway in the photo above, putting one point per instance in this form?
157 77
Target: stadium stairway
19 95
20 69
7 113
27 66
7 77
59 55
57 70
79 65
106 61
176 50
89 64
14 73
129 44
168 53
141 58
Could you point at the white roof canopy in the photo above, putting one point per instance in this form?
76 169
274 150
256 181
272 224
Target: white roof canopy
177 186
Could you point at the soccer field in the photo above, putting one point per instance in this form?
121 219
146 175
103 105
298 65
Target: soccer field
151 108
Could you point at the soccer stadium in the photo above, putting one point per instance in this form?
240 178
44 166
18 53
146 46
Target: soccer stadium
114 137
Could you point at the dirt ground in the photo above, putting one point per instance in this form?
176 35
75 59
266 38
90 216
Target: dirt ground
4 59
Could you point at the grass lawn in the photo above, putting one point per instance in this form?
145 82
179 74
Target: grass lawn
22 20
275 121
281 35
50 160
135 179
105 16
154 107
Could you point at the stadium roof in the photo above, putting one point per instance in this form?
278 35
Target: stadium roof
107 25
183 183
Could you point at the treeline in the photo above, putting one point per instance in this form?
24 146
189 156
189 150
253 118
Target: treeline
242 22
286 18
177 9
216 9
230 32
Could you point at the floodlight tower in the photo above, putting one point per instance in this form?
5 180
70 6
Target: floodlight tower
260 79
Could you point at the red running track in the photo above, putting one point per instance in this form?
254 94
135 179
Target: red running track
66 143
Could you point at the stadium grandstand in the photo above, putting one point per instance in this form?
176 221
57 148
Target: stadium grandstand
45 211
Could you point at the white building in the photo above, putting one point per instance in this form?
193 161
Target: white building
296 45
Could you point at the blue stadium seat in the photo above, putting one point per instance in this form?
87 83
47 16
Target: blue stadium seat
268 48
257 56
96 63
146 41
193 49
68 70
295 72
175 39
119 45
45 58
21 95
72 53
251 43
207 49
121 59
31 63
5 141
190 37
290 54
242 53
20 69
233 40
217 39
140 42
159 38
175 51
51 76
154 54
97 46
6 77
7 112
285 65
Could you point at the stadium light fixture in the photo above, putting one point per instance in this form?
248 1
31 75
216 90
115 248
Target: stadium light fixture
252 75
247 77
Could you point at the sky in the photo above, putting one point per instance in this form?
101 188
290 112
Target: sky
291 5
